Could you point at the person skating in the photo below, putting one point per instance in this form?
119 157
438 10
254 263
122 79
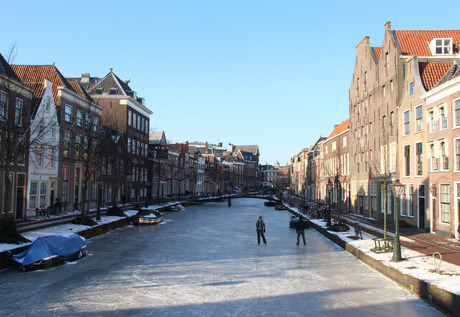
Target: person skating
301 231
260 226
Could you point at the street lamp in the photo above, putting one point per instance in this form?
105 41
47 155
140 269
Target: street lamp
329 190
398 188
328 209
99 194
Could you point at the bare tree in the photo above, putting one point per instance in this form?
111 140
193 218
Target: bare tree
334 171
383 170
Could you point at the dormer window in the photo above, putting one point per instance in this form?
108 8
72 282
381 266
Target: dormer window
99 91
113 91
441 46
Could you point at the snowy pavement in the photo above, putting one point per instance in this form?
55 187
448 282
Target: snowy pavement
205 261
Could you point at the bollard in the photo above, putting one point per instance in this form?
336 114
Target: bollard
436 263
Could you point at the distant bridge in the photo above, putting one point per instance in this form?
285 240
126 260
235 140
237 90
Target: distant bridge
243 195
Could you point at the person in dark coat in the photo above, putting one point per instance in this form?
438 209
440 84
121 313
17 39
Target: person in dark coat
301 231
260 226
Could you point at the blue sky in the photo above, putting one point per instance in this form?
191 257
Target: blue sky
273 73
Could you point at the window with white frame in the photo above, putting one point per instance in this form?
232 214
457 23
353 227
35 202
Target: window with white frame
457 154
434 158
407 160
443 46
411 89
95 124
77 151
444 156
66 144
443 118
51 157
457 113
444 199
87 120
79 118
130 118
418 118
419 158
43 187
410 211
393 157
433 122
18 112
3 105
33 195
403 202
68 114
406 116
39 156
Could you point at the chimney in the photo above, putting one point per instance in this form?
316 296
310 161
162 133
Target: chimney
85 78
388 25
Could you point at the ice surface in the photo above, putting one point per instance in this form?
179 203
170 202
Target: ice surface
205 261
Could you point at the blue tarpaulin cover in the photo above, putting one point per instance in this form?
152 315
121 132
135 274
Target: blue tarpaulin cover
46 246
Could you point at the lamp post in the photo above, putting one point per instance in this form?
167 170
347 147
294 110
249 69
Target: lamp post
328 209
398 187
99 194
329 190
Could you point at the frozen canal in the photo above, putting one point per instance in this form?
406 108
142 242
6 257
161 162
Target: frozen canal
205 261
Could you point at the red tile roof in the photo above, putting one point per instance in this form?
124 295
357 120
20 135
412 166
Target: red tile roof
432 72
416 42
377 51
340 128
34 74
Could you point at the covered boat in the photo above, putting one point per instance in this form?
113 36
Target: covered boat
270 203
177 207
147 217
49 251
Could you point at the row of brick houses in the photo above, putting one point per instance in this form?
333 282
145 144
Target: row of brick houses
404 120
73 143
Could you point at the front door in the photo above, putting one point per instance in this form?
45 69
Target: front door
21 179
361 205
421 206
421 212
372 207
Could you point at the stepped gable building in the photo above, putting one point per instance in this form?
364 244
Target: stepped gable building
16 105
79 120
124 111
388 120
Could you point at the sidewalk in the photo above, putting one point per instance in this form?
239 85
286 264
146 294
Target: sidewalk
423 242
